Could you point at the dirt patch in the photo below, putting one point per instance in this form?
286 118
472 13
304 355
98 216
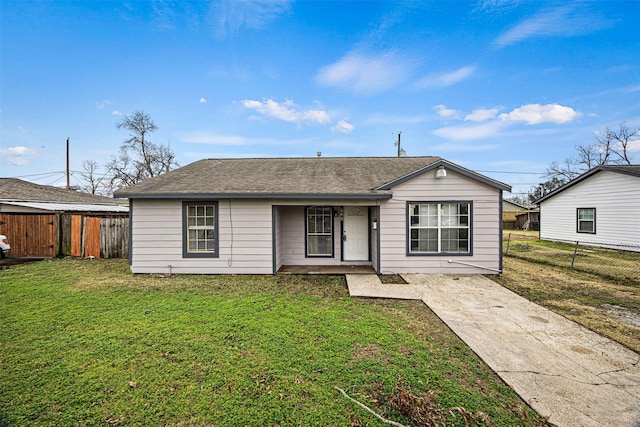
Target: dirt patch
392 279
622 314
369 351
6 262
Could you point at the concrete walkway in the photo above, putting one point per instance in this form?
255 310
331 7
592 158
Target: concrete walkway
565 372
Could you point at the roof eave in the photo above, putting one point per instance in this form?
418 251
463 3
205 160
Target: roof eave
199 196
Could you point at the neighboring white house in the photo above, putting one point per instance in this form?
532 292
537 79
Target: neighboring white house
256 216
600 207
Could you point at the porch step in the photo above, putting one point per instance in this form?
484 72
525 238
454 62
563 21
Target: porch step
369 285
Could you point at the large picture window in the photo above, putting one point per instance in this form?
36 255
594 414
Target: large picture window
319 227
200 229
439 227
586 220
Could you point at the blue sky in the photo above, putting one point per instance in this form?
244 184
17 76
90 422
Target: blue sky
501 87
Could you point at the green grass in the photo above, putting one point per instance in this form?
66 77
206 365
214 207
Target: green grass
86 343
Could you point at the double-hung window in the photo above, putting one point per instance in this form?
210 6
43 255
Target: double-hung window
439 227
586 220
319 227
200 229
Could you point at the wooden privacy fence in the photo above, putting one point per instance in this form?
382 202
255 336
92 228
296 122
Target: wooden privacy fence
98 237
78 235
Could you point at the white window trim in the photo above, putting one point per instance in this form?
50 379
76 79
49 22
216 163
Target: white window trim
581 221
307 233
186 228
440 227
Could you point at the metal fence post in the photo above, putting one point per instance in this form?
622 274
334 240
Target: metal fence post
506 252
575 250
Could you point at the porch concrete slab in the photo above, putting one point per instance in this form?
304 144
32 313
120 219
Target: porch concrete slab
326 269
369 285
566 372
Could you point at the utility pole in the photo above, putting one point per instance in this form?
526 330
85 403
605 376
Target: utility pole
398 143
68 182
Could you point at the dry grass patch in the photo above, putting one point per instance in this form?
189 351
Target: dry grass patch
585 298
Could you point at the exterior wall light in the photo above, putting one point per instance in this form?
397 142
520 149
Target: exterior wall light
441 173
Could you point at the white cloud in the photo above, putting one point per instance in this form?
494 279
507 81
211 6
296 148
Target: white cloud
116 113
287 111
100 105
364 74
634 145
481 115
343 127
446 79
632 89
470 132
445 112
568 20
534 114
18 155
22 130
231 16
203 100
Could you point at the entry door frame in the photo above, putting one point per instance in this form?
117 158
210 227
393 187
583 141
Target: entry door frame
365 221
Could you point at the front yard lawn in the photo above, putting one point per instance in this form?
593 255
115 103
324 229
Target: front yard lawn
87 343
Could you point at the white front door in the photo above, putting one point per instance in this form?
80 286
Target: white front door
355 233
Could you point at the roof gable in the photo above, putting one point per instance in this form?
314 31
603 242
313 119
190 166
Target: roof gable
348 177
446 165
632 170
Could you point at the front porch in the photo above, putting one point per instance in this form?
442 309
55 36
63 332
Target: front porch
332 238
326 269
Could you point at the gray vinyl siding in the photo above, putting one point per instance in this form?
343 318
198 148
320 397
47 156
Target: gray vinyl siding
485 226
277 244
245 249
292 243
616 198
293 238
246 232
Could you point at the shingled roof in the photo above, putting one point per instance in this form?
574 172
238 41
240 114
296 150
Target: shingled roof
288 177
14 189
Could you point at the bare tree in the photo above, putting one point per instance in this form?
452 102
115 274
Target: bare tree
545 188
617 143
610 147
139 158
565 171
94 184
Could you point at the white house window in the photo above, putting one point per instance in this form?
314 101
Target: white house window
587 220
439 227
200 229
319 231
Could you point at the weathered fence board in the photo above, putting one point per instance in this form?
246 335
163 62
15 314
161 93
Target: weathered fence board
114 237
49 235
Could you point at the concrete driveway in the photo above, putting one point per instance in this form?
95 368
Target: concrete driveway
567 373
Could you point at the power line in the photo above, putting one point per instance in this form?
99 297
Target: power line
513 172
44 174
